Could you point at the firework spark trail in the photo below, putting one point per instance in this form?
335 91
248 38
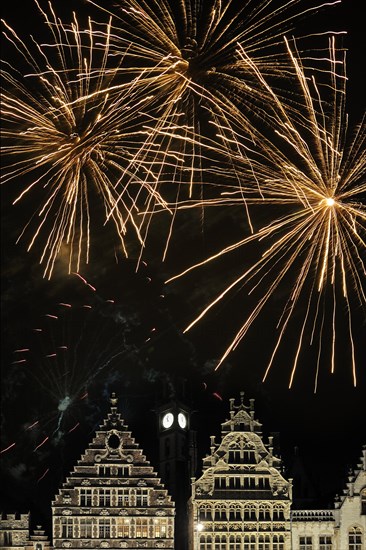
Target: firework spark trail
75 135
183 56
319 244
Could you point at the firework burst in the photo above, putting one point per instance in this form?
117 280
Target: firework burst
311 250
75 139
183 56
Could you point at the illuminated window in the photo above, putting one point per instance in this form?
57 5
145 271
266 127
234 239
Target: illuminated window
306 543
141 528
249 542
278 542
66 528
85 528
325 542
123 528
123 497
104 528
85 497
160 528
104 497
355 539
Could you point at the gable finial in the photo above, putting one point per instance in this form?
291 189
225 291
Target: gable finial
113 399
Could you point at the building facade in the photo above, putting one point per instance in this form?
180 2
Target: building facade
15 534
113 498
341 528
241 501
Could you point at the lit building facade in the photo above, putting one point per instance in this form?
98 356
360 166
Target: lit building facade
341 528
241 501
113 498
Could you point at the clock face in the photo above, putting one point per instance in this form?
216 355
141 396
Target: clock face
168 419
182 420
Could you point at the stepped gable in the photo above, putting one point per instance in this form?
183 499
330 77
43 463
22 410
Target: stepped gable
113 497
243 452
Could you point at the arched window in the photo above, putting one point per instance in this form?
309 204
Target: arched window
278 542
249 542
234 542
264 542
205 542
355 539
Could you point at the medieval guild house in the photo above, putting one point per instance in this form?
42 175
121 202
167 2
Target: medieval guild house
114 499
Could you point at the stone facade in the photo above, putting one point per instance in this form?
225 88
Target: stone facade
343 527
14 531
241 501
113 498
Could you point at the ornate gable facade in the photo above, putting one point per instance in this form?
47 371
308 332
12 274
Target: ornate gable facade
113 498
241 501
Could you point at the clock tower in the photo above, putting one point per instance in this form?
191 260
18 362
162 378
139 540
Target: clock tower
177 459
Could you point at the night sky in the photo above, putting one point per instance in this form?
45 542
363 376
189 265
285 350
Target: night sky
123 330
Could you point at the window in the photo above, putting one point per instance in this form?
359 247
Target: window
249 457
66 528
278 542
249 542
278 514
7 538
123 497
104 497
234 542
306 543
85 497
85 528
264 514
205 542
220 542
325 542
264 542
104 528
355 539
141 497
363 502
123 528
160 528
220 514
234 514
250 513
141 527
205 513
